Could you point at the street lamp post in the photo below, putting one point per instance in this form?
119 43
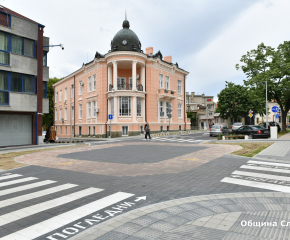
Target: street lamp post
266 108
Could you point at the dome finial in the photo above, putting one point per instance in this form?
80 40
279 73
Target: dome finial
125 14
126 23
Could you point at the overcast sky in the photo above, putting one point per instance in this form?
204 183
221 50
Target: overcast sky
206 38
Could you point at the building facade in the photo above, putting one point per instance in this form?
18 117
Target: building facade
23 79
135 87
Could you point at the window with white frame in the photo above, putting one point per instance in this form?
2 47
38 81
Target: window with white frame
161 108
60 114
167 107
60 129
72 112
167 86
72 91
139 106
80 111
89 109
81 88
160 81
112 106
55 100
224 120
179 109
65 94
94 109
217 120
90 84
179 86
65 114
60 95
95 82
125 106
55 114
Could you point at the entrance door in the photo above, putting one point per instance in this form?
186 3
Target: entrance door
124 130
15 130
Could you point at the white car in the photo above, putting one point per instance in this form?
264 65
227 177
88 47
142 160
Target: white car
236 126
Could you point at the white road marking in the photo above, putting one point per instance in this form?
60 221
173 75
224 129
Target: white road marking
25 212
260 175
25 187
269 163
10 176
22 198
17 181
266 169
269 186
56 222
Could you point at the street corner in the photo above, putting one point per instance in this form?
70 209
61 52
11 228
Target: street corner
129 158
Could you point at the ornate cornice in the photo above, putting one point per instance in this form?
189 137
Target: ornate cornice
125 53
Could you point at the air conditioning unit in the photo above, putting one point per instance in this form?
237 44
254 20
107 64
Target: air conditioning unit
64 101
138 76
96 110
161 114
61 119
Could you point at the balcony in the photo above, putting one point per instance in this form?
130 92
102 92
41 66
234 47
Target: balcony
166 94
124 86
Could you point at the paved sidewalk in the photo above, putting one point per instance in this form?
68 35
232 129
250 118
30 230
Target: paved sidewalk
209 217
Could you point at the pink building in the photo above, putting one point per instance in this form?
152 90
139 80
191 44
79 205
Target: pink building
133 86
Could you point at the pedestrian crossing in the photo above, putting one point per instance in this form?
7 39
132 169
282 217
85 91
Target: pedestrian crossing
27 201
181 140
252 174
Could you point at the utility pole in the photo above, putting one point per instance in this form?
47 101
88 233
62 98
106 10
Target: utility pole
266 107
71 114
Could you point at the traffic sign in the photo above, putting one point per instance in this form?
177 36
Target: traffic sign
275 109
277 115
251 111
169 115
250 115
110 116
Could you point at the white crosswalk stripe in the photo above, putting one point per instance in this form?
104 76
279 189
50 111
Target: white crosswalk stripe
175 140
251 176
43 201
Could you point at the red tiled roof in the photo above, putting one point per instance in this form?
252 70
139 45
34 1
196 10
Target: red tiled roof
7 10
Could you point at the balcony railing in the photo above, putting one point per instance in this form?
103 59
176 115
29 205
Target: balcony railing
140 87
4 19
125 86
165 90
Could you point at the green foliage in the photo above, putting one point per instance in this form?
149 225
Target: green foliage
265 64
47 119
234 136
219 137
236 100
191 115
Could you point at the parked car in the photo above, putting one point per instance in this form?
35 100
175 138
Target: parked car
219 130
271 124
254 131
236 126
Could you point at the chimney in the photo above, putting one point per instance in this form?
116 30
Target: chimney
149 51
168 59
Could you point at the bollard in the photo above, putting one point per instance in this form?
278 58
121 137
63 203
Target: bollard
224 138
246 137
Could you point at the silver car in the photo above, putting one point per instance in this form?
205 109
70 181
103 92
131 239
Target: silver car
216 130
236 126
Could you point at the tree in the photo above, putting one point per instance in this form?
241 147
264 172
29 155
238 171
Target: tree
235 101
265 64
47 119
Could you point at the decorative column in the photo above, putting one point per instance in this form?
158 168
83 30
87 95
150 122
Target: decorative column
109 76
143 82
134 70
116 114
143 109
134 108
115 74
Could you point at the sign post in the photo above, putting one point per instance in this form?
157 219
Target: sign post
250 115
110 117
169 115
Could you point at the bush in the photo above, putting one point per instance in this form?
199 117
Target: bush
219 137
234 137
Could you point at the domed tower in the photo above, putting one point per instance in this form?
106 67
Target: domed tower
126 40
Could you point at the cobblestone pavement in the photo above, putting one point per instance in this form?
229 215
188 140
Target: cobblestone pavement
116 164
262 215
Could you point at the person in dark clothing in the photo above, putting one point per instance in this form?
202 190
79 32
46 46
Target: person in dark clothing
147 131
46 139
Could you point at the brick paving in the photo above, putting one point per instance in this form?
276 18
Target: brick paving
178 164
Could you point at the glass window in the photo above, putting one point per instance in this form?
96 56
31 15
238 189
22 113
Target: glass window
4 55
60 114
29 47
65 113
167 107
167 82
55 100
3 81
44 93
65 94
160 81
80 111
16 44
125 106
16 82
95 82
179 109
90 109
81 88
139 106
161 109
4 97
72 91
112 106
44 58
28 84
60 95
55 115
95 106
179 86
90 85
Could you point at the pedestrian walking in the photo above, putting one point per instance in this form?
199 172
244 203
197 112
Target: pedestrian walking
46 139
52 134
147 131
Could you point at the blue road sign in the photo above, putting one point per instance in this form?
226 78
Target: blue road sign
110 116
275 109
277 115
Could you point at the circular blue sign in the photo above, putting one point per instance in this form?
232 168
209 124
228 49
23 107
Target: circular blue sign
275 109
277 115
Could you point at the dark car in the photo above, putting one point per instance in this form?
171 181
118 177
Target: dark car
216 130
271 124
255 131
